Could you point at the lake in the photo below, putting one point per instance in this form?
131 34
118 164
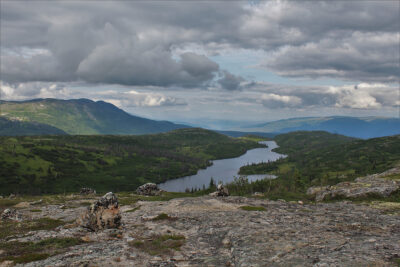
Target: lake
225 170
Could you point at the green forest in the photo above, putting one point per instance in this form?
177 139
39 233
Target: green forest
57 164
319 158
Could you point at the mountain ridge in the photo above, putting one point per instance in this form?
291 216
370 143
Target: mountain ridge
83 116
360 127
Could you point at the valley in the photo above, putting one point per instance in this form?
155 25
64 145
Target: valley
304 197
57 164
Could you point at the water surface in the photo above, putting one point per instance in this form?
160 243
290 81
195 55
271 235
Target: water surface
224 170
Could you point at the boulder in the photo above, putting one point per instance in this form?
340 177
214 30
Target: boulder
103 214
221 191
148 189
87 191
11 215
372 185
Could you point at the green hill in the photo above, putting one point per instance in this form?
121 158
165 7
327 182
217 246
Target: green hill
11 128
318 158
82 116
55 164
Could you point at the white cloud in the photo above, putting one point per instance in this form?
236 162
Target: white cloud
133 98
358 96
30 90
282 98
280 101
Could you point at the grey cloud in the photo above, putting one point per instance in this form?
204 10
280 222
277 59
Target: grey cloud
198 66
361 56
130 42
230 81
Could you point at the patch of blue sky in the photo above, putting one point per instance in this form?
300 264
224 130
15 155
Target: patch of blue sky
247 63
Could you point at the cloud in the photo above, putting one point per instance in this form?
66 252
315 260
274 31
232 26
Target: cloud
360 56
358 96
124 97
23 91
133 98
136 61
132 43
371 96
280 101
230 81
114 59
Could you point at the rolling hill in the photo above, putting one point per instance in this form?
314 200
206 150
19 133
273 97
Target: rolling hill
81 116
367 127
15 128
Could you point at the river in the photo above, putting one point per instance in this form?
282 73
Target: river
225 170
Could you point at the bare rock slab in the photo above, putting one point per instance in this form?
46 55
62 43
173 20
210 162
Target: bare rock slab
362 187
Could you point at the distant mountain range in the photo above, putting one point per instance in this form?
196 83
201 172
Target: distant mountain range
367 127
78 116
85 117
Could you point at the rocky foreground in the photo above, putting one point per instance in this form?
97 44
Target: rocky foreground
223 231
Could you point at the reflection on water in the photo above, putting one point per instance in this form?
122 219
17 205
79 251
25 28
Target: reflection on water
225 170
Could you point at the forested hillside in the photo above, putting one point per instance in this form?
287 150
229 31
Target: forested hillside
55 164
318 158
17 128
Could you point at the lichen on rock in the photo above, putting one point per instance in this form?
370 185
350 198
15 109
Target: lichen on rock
102 214
11 215
149 189
221 191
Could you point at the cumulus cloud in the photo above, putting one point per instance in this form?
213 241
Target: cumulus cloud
280 101
23 91
133 98
132 42
111 58
360 56
359 96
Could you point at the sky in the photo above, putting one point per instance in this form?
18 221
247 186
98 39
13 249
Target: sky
210 63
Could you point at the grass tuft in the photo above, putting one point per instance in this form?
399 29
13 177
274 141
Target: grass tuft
27 257
24 252
9 228
36 210
163 216
133 210
253 208
160 244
